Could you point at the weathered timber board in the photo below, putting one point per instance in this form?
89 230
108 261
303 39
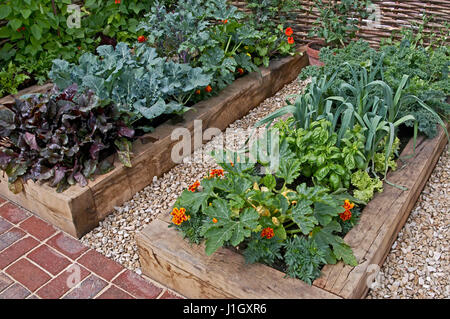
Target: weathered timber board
9 99
78 210
169 259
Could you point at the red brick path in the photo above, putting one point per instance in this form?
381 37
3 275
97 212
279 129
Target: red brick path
40 261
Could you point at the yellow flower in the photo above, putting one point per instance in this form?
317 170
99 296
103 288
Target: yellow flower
249 54
262 211
275 221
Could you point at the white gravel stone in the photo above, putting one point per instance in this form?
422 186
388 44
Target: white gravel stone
424 242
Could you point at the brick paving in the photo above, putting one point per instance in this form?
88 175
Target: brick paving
40 261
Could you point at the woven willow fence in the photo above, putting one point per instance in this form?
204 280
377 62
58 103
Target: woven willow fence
393 15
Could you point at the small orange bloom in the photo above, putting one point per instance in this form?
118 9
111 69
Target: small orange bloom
141 39
194 186
179 216
241 71
232 164
291 40
198 92
225 21
214 220
267 232
289 31
346 215
347 205
208 88
216 172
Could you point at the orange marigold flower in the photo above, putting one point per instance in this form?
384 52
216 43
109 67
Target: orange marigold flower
241 71
214 220
179 215
267 232
208 88
194 186
346 215
231 163
117 1
198 92
347 205
225 21
291 40
216 172
289 31
141 39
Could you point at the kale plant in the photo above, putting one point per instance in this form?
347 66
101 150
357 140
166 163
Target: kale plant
138 81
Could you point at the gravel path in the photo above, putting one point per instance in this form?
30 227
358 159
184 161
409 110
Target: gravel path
416 267
418 264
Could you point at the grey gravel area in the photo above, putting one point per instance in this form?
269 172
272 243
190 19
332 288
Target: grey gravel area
416 267
418 264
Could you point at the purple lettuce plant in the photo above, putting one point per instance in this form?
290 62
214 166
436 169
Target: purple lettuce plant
63 139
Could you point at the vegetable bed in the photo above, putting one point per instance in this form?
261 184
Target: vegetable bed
79 209
172 261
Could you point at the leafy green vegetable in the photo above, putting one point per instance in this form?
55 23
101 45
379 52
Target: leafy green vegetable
138 81
10 79
63 139
227 228
333 246
366 186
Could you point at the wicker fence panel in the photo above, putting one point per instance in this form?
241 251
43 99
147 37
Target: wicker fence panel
393 16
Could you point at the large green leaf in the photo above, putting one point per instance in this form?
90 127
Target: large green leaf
332 245
289 170
5 10
324 212
227 228
302 215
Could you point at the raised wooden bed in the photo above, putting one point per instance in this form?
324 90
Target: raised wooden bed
172 261
78 210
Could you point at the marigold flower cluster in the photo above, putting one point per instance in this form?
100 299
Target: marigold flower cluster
194 186
216 173
179 216
267 233
142 39
347 214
